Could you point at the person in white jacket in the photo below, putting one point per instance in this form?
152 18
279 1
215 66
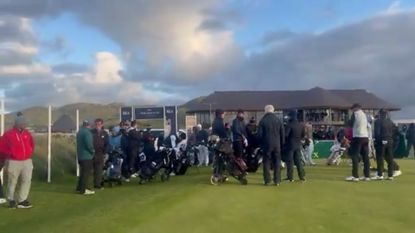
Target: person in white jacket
360 144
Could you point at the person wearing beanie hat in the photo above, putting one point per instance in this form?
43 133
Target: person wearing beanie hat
384 131
239 134
271 136
18 147
85 152
295 134
218 125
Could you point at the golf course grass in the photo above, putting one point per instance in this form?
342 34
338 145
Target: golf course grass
325 203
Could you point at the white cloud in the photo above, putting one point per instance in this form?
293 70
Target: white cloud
18 70
107 69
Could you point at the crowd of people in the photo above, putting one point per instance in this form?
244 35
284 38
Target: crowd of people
275 142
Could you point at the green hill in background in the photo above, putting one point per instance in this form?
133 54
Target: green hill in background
37 117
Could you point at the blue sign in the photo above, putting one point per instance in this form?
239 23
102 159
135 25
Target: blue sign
126 114
149 113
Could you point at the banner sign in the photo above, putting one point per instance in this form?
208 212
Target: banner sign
149 113
126 114
171 119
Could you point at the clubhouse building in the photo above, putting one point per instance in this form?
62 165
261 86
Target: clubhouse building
317 105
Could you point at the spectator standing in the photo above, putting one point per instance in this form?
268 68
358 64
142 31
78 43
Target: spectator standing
239 134
85 151
360 144
101 146
18 148
295 134
271 137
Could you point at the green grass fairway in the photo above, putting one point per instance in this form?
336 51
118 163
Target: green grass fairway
326 203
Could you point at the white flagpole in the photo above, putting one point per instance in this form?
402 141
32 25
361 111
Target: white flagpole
77 130
49 142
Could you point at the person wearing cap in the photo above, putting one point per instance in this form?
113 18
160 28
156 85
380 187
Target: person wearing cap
101 146
271 136
360 144
218 125
202 138
85 151
239 134
384 145
18 147
295 134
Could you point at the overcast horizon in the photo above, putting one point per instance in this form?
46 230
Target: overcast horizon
165 52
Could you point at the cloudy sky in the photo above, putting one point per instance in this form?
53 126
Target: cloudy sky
168 51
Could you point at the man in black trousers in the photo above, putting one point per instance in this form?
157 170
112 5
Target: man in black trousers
271 137
384 145
295 132
101 145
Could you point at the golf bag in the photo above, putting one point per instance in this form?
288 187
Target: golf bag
254 160
150 166
337 151
113 168
181 162
226 161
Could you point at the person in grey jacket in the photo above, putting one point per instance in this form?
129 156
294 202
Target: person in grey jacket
271 137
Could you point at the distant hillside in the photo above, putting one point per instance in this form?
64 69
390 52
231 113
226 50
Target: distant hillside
37 117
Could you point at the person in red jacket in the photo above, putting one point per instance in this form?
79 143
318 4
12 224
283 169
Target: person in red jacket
18 147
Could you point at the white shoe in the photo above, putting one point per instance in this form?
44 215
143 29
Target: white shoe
397 173
352 179
3 201
378 178
389 178
365 179
135 175
89 192
172 174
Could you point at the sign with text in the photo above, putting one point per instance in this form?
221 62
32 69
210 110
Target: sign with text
126 114
149 113
171 119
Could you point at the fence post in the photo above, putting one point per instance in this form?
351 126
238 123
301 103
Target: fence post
77 130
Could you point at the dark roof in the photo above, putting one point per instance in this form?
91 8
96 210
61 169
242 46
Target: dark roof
64 124
302 99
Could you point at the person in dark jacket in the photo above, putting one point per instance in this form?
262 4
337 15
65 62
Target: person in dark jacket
134 143
295 134
101 146
410 137
85 151
251 136
148 143
384 144
271 137
218 125
239 134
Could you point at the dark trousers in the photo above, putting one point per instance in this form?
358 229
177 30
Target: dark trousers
98 170
85 170
238 149
385 152
360 148
132 160
2 163
294 156
272 156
